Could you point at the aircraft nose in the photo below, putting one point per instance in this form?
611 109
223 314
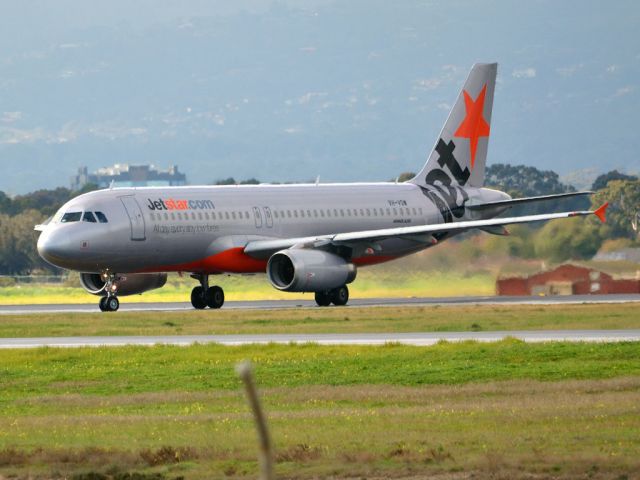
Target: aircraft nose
54 247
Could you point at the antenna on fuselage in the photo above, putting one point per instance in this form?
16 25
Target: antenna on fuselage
111 184
317 180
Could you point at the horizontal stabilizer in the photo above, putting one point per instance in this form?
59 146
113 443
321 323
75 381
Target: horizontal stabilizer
519 201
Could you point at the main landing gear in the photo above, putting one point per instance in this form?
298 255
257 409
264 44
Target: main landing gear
109 303
206 296
338 296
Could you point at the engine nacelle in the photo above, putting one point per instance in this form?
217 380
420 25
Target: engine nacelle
127 284
302 270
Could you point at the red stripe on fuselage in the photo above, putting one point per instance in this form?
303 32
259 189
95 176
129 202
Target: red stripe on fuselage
235 260
372 260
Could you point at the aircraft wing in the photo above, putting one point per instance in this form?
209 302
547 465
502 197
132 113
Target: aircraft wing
264 248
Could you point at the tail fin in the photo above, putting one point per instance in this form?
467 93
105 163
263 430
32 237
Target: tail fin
460 153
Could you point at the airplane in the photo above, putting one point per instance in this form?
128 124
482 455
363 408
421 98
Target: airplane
305 237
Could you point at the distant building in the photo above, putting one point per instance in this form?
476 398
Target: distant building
566 280
123 175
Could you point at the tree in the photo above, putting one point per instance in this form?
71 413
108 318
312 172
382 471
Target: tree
18 253
568 239
602 181
522 181
624 205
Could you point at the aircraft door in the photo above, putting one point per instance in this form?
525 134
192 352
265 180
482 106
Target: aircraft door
136 219
258 217
267 216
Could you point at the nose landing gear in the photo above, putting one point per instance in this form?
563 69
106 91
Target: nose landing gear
110 302
206 296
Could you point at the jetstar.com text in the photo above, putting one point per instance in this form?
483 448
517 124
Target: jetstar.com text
173 204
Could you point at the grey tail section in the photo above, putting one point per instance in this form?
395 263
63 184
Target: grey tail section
460 154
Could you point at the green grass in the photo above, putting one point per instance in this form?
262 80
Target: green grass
506 409
325 320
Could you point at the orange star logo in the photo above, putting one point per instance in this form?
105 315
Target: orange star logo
474 125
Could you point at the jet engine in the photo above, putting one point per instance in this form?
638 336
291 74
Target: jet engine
126 284
303 270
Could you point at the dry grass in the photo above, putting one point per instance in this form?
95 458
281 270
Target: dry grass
515 429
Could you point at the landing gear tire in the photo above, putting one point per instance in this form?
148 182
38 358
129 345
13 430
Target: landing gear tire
103 304
109 304
339 296
198 299
113 304
323 299
214 297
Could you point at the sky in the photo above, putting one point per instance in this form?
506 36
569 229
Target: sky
289 90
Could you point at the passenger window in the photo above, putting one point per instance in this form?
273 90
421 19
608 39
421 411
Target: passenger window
341 212
302 213
309 213
166 215
226 215
335 212
420 210
322 213
173 216
88 217
193 215
295 213
388 211
395 211
275 214
289 213
414 211
361 212
71 217
368 212
315 212
233 215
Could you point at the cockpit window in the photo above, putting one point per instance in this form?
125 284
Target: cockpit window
71 217
88 217
101 217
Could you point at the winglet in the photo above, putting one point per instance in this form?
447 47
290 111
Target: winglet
600 211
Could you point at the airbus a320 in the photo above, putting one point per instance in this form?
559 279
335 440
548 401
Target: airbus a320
306 237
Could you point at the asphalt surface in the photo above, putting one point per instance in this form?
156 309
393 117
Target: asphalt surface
125 306
420 339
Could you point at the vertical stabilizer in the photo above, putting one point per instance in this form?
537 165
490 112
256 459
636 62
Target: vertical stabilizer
460 154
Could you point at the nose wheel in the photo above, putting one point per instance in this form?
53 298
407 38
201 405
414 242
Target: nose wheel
205 296
109 304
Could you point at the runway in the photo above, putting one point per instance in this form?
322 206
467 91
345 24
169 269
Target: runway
126 306
418 339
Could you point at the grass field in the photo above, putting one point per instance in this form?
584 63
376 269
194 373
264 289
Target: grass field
326 320
503 410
